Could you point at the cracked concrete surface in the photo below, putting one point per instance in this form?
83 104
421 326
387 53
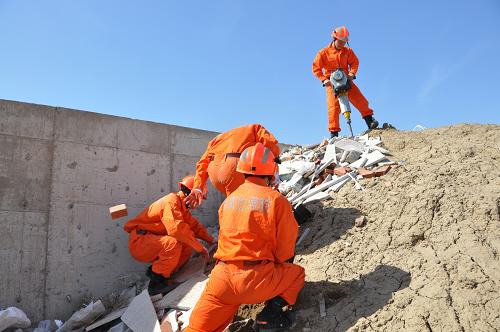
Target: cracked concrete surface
427 260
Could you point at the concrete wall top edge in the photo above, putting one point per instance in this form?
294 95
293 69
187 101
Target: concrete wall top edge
61 108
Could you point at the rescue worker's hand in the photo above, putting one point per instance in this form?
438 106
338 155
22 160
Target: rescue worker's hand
327 82
194 199
351 76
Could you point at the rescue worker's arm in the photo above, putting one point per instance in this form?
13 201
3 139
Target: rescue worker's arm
199 230
317 68
353 62
177 228
286 230
263 136
201 176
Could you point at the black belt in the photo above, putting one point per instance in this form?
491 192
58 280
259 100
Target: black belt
227 155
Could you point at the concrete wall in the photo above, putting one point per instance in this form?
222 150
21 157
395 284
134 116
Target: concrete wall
60 171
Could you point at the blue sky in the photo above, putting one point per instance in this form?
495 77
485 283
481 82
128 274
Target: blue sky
216 64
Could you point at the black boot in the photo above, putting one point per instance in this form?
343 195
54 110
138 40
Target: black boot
371 122
334 134
272 318
158 284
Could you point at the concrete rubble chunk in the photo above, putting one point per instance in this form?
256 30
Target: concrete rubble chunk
83 317
360 221
347 144
185 296
49 325
13 317
140 315
330 153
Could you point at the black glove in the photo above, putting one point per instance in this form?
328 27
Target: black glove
277 160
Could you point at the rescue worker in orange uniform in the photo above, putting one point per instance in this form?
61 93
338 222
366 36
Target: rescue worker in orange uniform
337 55
165 234
256 240
221 157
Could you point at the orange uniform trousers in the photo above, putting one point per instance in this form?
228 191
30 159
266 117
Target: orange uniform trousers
165 252
233 284
355 97
223 175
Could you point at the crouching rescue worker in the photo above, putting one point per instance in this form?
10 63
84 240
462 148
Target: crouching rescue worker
337 55
221 157
256 240
165 234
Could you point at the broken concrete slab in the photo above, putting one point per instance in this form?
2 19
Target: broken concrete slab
318 197
347 144
140 315
108 318
13 317
330 153
325 185
83 317
185 295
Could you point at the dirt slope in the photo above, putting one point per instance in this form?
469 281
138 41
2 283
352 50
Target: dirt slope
428 258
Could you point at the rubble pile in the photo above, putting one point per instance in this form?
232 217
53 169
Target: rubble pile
315 172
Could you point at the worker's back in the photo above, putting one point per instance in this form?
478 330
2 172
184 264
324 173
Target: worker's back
256 223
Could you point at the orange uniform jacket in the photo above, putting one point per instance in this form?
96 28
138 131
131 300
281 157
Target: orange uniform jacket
169 216
233 141
256 223
330 58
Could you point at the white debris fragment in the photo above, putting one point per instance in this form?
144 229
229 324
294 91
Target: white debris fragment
13 317
83 317
140 315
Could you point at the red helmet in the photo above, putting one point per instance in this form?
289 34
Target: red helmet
341 33
257 160
188 182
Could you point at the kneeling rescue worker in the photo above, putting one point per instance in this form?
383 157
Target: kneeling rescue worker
256 240
221 157
165 234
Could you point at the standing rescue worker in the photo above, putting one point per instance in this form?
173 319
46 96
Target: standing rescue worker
221 157
337 55
256 239
165 234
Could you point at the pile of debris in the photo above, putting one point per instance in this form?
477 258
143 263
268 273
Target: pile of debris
130 310
315 172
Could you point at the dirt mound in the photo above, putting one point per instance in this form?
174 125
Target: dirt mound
427 259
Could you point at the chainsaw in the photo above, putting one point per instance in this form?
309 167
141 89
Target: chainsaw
341 85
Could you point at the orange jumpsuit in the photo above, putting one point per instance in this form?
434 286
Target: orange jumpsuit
221 157
171 233
327 61
257 235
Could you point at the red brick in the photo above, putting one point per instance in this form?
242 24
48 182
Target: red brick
382 170
118 211
339 171
366 174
